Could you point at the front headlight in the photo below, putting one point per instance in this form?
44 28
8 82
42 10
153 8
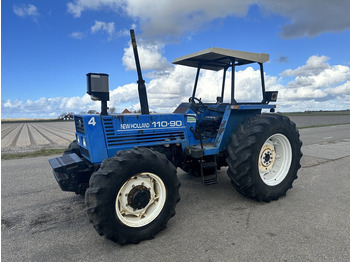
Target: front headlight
84 141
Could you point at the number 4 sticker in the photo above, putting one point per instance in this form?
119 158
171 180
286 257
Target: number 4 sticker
92 121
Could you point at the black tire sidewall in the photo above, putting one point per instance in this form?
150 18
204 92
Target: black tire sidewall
244 152
118 177
73 148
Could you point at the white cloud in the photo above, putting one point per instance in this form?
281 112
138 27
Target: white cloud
311 17
26 10
150 55
302 93
167 17
77 35
123 97
168 90
314 65
317 85
78 6
316 79
173 18
165 92
340 90
46 107
104 27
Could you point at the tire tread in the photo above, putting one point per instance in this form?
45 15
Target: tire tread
240 153
101 181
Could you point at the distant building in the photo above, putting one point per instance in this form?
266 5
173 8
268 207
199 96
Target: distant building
126 111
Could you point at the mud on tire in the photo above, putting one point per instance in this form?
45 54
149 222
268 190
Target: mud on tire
133 195
264 157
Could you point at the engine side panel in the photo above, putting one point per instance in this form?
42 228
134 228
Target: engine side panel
128 131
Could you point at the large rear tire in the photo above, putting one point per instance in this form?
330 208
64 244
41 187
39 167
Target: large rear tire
264 157
133 195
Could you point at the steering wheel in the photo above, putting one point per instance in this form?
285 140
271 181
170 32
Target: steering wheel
200 106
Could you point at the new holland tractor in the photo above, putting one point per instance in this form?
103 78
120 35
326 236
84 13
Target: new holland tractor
126 164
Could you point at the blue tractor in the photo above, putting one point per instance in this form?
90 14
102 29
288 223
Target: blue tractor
126 164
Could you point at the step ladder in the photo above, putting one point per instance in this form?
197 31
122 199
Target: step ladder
211 168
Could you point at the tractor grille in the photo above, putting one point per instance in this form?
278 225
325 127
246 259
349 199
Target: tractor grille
145 138
79 124
127 139
108 126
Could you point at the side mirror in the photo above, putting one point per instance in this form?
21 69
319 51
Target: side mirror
98 86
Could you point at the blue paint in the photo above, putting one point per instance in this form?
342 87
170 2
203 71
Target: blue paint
103 136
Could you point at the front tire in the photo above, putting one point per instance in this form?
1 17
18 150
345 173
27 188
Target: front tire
264 157
133 195
73 148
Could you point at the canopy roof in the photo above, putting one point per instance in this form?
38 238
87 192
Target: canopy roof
218 58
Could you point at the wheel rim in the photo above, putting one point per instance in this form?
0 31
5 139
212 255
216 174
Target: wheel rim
275 159
140 200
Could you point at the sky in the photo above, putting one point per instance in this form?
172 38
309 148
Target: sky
48 47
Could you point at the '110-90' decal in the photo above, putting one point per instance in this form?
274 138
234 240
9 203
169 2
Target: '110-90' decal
156 124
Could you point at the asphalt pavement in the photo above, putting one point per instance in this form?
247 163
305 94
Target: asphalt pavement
212 223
